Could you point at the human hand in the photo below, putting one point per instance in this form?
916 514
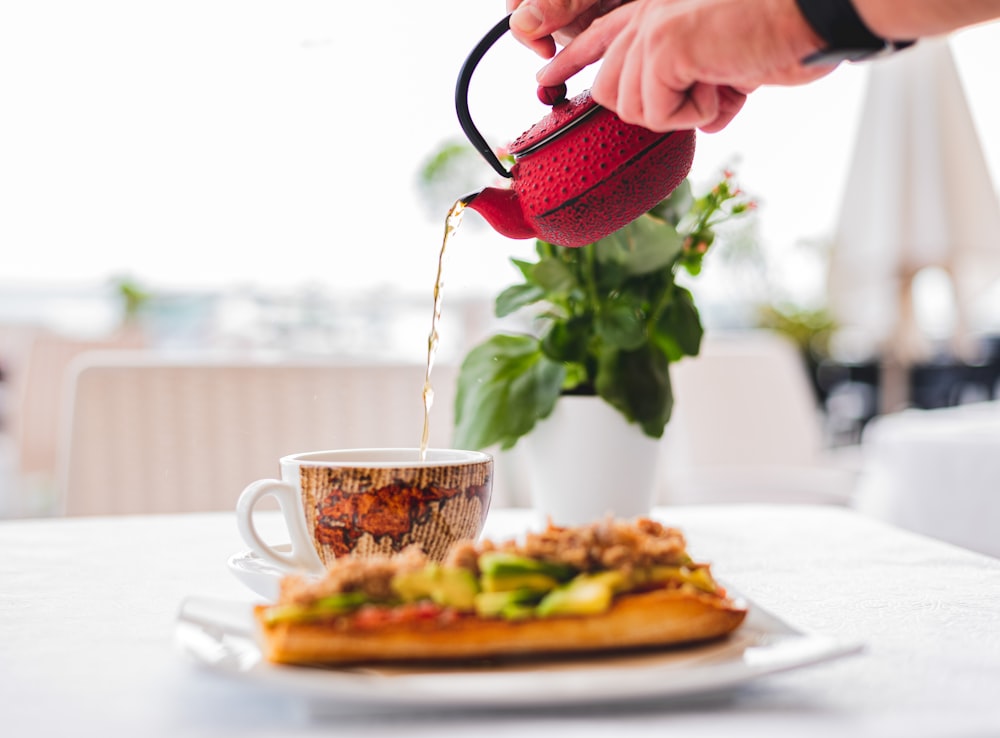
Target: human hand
677 64
540 24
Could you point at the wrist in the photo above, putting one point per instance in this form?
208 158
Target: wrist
844 33
924 18
801 37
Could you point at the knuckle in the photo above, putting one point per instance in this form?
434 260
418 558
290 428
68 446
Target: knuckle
659 120
601 29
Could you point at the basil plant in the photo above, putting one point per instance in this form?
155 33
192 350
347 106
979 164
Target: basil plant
611 318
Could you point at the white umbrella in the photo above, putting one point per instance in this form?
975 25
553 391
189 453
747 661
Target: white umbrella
918 194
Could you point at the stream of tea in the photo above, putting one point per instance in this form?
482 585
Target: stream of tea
451 224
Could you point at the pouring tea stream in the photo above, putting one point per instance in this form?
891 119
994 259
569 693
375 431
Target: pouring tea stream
580 173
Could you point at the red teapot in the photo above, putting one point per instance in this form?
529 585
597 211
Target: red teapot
580 173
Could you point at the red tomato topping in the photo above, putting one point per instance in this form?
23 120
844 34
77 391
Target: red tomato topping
370 617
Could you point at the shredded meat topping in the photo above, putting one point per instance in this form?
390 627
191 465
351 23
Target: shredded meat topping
372 576
605 544
465 554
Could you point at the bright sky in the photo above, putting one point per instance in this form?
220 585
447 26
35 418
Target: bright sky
212 143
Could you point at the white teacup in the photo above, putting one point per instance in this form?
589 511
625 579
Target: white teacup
370 501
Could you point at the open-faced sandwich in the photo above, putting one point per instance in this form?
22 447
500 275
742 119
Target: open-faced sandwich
612 584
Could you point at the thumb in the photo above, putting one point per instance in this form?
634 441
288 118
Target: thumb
534 19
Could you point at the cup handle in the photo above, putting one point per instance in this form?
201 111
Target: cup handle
303 556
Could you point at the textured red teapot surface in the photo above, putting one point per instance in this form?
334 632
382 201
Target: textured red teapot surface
598 175
562 115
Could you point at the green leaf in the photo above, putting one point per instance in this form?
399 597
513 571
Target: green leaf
643 246
637 383
622 326
437 166
505 385
676 206
610 277
553 275
678 329
516 297
524 267
693 266
576 378
544 249
567 340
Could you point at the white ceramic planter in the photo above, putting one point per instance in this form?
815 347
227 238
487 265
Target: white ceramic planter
585 461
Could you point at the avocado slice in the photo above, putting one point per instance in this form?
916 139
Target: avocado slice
698 577
505 572
587 594
336 604
510 605
447 586
411 586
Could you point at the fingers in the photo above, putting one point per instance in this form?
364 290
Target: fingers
565 64
639 98
536 19
707 107
544 46
627 96
629 83
587 48
730 102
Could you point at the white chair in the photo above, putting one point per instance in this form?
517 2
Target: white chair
746 427
145 434
16 340
38 381
936 472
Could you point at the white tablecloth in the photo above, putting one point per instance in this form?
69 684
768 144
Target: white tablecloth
936 472
88 607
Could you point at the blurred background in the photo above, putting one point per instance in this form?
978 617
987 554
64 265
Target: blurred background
251 178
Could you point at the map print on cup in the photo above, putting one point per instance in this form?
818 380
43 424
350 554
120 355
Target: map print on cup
380 511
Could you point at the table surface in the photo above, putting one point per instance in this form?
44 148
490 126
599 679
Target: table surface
88 608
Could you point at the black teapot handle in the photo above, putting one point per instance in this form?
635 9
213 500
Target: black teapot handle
462 96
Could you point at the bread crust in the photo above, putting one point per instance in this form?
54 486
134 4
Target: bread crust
659 617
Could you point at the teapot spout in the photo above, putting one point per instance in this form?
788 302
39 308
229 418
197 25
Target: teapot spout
502 209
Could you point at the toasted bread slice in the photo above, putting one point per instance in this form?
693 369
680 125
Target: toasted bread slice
660 617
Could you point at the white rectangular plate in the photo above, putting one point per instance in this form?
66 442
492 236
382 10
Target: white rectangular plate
220 636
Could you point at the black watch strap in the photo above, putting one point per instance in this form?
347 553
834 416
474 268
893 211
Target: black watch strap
847 37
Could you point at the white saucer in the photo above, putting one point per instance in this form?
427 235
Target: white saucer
257 574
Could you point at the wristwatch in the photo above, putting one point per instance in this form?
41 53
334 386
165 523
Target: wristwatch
847 37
